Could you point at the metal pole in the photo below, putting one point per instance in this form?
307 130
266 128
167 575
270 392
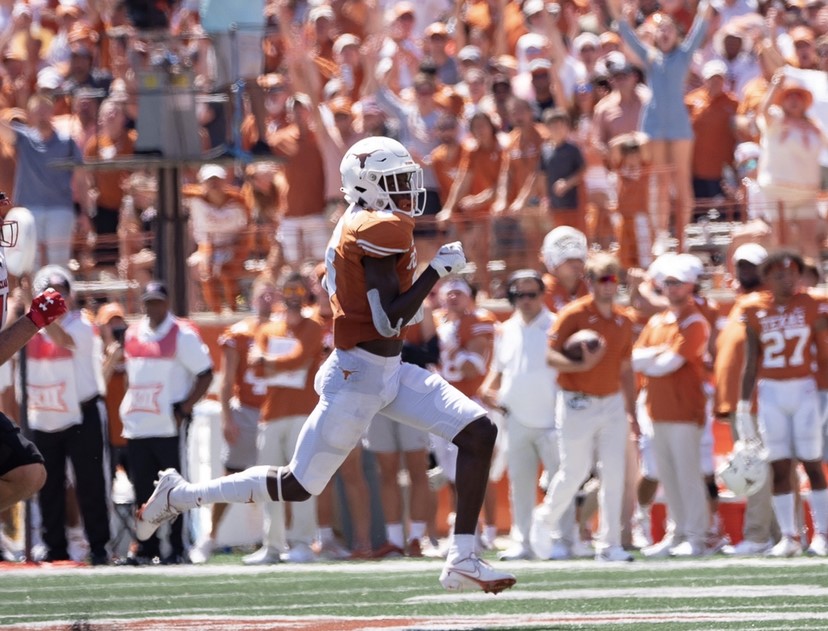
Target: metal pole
24 427
171 240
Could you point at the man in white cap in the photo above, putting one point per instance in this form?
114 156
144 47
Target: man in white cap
712 110
669 354
564 254
758 525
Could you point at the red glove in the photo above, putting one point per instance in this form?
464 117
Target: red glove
46 308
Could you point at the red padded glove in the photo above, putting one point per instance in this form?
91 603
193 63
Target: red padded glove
46 308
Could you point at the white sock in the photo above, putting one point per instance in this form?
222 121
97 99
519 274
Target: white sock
417 530
783 508
462 547
490 533
325 534
247 486
394 534
819 510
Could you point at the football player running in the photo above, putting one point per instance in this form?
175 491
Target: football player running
370 264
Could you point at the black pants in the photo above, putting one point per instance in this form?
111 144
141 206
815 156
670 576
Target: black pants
84 445
147 456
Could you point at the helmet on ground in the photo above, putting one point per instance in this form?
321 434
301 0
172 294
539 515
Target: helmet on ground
379 173
746 469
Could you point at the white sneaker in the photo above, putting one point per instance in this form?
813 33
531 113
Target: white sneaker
263 556
473 573
299 553
613 554
746 548
786 548
77 547
202 551
715 542
818 547
582 549
331 550
660 549
516 552
157 509
560 551
686 549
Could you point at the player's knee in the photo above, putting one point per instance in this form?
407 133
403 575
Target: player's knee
478 436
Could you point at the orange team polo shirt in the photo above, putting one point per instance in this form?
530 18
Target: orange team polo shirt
280 401
678 396
108 182
605 378
786 337
446 169
522 155
484 166
304 171
556 296
715 139
240 337
366 233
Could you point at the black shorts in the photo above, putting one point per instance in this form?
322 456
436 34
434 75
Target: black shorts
15 449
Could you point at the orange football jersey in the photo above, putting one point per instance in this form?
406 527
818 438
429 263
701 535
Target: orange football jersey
822 353
786 333
455 335
240 336
358 234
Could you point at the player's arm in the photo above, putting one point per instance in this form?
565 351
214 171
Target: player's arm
230 364
744 419
471 360
560 332
391 308
45 309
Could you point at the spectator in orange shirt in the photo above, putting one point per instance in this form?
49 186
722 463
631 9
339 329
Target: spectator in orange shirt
220 219
669 354
262 194
629 156
712 114
473 193
112 326
596 406
113 140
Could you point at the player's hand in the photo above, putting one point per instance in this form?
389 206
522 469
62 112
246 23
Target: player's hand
46 308
450 258
744 422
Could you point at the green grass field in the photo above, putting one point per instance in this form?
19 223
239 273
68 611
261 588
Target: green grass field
714 593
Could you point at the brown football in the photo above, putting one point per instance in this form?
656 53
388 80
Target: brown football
572 346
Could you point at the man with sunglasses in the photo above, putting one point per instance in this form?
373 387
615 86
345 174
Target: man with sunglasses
669 354
595 406
519 383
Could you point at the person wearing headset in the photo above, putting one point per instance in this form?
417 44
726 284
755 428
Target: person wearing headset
524 387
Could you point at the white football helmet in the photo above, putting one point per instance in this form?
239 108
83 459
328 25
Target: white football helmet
561 244
379 173
746 469
8 232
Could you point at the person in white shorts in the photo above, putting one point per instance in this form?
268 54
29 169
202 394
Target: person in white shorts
370 262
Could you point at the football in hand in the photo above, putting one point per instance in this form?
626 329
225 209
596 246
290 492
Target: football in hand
572 348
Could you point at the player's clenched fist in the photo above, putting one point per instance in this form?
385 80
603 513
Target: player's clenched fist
450 258
46 308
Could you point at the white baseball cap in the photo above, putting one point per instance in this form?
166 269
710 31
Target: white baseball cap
211 170
750 252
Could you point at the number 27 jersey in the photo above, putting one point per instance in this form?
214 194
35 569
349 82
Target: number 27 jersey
785 332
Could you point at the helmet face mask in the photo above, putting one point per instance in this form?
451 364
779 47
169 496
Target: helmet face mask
378 173
8 234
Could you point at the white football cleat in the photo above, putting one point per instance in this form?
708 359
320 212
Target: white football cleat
746 548
157 509
660 549
473 573
613 554
516 552
818 547
786 548
201 552
263 556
